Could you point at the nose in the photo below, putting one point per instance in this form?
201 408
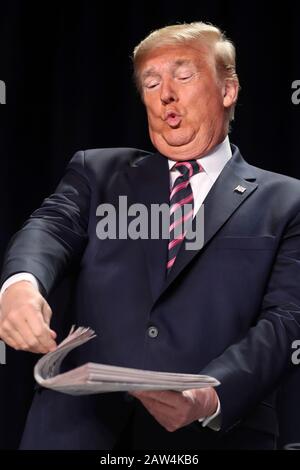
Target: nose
167 92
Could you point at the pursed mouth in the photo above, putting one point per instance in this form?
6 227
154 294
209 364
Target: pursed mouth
173 118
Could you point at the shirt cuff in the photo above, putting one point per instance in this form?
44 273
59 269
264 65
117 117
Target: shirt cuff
213 421
19 277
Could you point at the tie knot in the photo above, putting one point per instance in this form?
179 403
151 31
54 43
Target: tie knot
188 168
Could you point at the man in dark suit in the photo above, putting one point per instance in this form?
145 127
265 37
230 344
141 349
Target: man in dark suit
230 309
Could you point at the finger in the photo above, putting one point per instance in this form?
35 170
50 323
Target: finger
156 406
17 343
20 344
32 330
53 334
163 414
190 395
41 329
47 312
22 328
168 397
42 333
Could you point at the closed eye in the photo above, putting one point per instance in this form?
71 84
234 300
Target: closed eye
185 77
150 86
151 82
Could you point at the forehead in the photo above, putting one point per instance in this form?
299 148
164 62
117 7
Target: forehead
175 56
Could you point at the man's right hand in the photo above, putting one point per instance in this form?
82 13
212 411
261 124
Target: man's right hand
25 319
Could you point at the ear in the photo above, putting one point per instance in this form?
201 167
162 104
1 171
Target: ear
230 92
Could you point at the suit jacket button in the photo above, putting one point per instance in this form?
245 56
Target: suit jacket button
152 332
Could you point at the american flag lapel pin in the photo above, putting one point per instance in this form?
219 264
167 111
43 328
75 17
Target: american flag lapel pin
240 189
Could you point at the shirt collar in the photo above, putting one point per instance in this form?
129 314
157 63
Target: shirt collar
214 162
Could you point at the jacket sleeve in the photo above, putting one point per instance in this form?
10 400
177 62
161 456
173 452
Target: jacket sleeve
252 368
56 233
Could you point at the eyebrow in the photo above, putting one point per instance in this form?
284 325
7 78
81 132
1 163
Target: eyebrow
180 62
151 72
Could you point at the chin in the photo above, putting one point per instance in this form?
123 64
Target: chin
176 145
178 137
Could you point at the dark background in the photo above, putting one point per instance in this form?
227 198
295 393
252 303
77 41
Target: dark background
69 84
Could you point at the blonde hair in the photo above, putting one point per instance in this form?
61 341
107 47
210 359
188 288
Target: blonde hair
196 32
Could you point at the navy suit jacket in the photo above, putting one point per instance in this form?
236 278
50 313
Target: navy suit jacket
230 309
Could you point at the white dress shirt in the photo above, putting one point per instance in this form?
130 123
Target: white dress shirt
212 164
201 183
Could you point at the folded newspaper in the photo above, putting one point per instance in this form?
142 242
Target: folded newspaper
99 378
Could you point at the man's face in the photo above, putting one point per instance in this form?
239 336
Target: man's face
185 102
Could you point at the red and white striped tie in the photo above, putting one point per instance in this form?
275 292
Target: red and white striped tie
181 207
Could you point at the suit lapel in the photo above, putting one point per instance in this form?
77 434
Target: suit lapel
221 202
150 182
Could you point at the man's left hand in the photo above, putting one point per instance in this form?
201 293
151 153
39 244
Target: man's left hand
174 410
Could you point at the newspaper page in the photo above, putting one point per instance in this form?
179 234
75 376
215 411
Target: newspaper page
99 378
